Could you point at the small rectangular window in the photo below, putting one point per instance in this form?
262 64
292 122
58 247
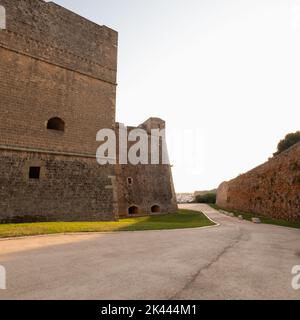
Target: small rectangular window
129 180
34 172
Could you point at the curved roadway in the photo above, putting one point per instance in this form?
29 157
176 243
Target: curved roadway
235 260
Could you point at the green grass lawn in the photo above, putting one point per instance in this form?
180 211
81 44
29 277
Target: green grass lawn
267 220
180 220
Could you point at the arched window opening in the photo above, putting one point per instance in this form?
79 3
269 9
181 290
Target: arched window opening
155 209
133 210
56 124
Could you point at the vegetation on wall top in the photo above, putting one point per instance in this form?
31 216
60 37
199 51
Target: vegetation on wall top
289 140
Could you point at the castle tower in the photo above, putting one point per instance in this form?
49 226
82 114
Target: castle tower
57 90
146 188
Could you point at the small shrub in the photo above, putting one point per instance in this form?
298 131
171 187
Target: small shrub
289 140
206 198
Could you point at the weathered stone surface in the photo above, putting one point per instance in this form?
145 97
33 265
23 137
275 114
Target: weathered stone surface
69 188
33 91
51 33
151 185
56 64
272 189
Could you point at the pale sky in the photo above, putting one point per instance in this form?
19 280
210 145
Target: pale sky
225 73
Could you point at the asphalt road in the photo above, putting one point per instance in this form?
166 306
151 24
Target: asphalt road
236 260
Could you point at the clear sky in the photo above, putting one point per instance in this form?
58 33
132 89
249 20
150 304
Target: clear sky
224 74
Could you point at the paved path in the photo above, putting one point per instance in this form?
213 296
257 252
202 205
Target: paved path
236 260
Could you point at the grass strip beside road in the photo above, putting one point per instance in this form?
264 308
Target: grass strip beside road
180 220
264 219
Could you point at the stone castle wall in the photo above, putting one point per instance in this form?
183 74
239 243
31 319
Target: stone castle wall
272 189
146 186
54 63
39 80
51 33
32 92
151 186
69 188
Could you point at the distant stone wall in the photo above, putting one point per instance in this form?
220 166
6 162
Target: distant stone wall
272 189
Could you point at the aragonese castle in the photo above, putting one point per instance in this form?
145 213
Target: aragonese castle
58 89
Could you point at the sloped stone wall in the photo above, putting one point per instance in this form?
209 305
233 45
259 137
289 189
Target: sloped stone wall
272 189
